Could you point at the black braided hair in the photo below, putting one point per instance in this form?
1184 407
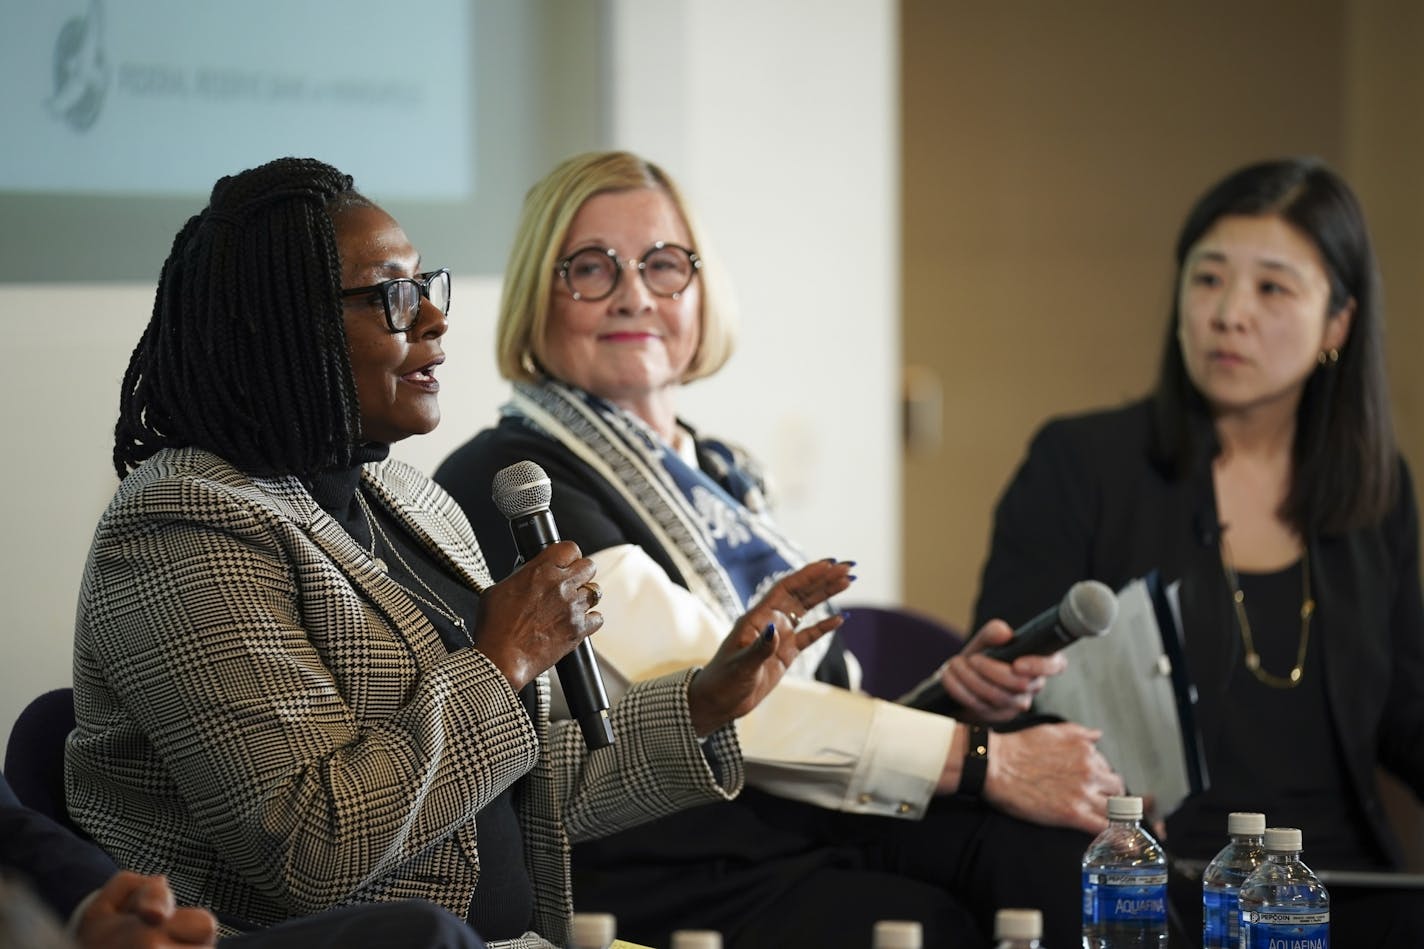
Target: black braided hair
245 353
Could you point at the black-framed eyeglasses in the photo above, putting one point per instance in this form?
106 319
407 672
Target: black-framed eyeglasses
401 296
591 273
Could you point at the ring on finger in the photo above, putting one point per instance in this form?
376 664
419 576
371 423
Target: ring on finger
795 618
595 594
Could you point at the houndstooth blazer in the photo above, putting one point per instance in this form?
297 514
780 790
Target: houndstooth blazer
267 718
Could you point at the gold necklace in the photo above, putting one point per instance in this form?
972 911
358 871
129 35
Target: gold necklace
444 609
1307 610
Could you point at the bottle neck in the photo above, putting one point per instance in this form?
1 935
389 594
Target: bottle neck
1283 856
1254 839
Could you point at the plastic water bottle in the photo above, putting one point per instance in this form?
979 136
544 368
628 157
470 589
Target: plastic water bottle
1221 883
696 939
1124 883
898 934
1018 929
592 930
1282 902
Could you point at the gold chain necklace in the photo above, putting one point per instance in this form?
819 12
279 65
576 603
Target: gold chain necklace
1307 610
444 609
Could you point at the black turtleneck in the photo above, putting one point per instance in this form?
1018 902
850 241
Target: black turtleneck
335 490
503 904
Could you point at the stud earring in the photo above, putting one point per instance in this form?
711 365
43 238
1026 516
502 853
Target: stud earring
1331 356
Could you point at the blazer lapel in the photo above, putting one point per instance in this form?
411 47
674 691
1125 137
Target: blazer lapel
293 501
433 517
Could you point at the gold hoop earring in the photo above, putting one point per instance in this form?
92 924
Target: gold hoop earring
526 362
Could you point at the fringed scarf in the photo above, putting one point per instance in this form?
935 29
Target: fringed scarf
714 527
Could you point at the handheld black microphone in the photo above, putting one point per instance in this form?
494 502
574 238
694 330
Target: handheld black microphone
522 493
1087 609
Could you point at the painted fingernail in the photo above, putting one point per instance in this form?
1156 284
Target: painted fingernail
768 634
844 615
850 576
848 563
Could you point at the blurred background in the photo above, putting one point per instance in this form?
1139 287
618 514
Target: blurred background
945 221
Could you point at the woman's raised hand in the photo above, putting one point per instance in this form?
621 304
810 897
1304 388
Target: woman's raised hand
752 658
538 614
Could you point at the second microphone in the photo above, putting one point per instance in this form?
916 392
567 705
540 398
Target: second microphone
1088 609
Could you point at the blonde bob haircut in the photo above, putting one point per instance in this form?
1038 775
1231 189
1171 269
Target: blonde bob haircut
549 209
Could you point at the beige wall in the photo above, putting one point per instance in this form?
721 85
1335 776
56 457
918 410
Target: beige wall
1384 157
1050 153
1385 160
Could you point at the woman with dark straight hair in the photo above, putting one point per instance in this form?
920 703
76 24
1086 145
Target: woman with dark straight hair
1344 472
1263 475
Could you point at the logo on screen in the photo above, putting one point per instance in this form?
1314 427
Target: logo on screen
81 73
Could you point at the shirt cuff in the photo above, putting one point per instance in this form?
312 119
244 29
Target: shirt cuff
902 763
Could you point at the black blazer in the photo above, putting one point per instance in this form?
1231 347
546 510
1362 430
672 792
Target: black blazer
61 868
1089 503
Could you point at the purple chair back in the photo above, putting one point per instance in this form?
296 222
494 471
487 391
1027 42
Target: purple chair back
896 648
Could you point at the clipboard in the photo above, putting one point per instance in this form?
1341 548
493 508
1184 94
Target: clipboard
1133 684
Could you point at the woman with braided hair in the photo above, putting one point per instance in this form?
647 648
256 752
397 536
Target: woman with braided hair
270 401
295 684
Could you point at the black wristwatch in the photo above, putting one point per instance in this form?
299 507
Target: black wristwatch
976 763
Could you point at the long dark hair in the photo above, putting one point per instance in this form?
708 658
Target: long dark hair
1344 457
245 353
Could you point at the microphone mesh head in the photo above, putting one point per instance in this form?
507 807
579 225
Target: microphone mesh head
520 489
1089 609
